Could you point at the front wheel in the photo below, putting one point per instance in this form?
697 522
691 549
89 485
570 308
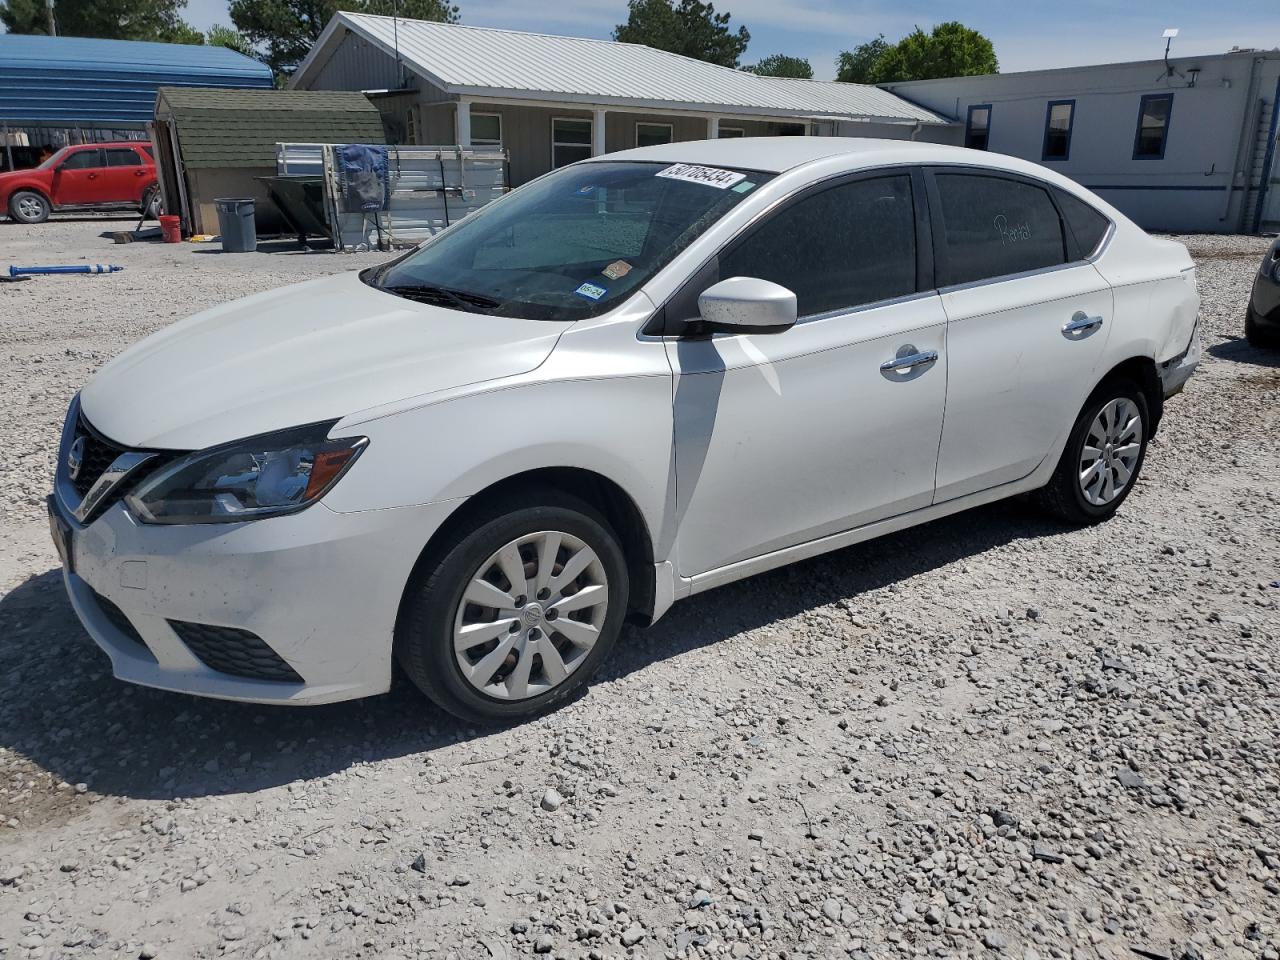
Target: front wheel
27 206
1103 455
518 613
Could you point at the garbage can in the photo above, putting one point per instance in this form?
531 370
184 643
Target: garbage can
235 223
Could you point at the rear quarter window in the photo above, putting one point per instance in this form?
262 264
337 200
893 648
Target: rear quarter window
994 227
1086 227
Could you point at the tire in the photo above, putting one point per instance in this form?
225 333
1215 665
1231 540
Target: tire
1257 337
27 206
151 206
503 688
1067 495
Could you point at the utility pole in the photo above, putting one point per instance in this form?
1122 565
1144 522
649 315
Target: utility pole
53 24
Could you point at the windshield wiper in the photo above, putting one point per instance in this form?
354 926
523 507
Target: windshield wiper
443 296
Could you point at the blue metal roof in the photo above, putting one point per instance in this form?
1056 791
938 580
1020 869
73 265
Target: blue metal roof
78 81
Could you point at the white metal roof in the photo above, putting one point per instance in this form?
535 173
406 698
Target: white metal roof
485 62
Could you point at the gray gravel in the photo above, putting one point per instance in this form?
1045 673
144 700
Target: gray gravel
989 736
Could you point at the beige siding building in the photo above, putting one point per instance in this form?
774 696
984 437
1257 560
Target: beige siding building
552 100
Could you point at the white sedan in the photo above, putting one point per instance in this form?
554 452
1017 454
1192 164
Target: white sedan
632 380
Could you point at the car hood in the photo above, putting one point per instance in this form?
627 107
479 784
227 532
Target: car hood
314 351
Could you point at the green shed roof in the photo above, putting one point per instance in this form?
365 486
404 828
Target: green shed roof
240 128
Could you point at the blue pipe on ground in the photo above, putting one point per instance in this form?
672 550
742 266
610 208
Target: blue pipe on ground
79 268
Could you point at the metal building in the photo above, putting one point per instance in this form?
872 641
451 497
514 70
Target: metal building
1187 144
551 100
60 90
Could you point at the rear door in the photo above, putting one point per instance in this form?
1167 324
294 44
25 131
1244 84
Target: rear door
1028 319
789 437
125 177
79 178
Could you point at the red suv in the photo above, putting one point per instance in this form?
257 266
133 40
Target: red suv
91 175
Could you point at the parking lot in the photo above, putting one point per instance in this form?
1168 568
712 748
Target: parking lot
988 735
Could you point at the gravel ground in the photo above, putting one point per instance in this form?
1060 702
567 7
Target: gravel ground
987 736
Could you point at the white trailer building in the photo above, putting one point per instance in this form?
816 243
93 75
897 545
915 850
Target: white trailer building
1183 145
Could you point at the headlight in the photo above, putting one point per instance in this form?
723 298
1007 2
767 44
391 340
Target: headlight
262 476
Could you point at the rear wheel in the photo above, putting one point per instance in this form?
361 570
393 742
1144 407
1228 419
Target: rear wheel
27 206
1257 337
518 613
1103 455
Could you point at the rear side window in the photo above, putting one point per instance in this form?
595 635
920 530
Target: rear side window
83 160
1085 225
122 157
993 227
844 247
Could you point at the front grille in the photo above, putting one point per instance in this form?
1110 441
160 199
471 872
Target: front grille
118 619
233 651
99 453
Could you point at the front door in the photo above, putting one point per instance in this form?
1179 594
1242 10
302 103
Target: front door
785 438
78 179
1027 326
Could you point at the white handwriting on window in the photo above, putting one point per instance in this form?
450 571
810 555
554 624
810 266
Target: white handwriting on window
1016 233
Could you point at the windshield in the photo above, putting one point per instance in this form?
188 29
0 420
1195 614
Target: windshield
570 245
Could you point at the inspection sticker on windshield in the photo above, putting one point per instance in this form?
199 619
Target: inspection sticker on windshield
617 270
591 291
709 176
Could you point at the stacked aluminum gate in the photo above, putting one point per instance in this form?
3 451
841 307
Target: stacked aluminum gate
430 188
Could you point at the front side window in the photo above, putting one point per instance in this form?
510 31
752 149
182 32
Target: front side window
570 141
652 134
845 247
82 160
993 227
486 129
978 127
570 245
1058 121
1153 126
119 157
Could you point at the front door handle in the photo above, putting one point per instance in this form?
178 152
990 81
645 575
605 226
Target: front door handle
908 360
1081 325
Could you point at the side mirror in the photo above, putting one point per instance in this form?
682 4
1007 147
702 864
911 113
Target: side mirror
747 305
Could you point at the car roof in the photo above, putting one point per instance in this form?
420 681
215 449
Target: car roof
110 143
777 154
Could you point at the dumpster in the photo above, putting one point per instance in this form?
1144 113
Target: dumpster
236 224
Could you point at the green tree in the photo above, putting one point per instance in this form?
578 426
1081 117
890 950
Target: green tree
224 36
690 28
949 50
285 29
110 19
857 65
781 65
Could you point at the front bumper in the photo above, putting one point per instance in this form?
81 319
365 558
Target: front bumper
1175 373
320 589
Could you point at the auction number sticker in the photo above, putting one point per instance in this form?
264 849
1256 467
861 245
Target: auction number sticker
708 176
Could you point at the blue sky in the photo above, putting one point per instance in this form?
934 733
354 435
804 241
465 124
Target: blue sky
1027 35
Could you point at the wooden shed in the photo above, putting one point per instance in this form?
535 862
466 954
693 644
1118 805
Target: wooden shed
216 142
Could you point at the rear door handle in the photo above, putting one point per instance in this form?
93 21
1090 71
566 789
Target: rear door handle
907 360
1081 325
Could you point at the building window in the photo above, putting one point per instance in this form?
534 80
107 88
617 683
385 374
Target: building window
793 130
652 134
570 141
732 133
977 129
486 129
1153 126
1058 120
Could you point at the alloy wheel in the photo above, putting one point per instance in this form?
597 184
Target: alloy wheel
1111 450
30 208
530 615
